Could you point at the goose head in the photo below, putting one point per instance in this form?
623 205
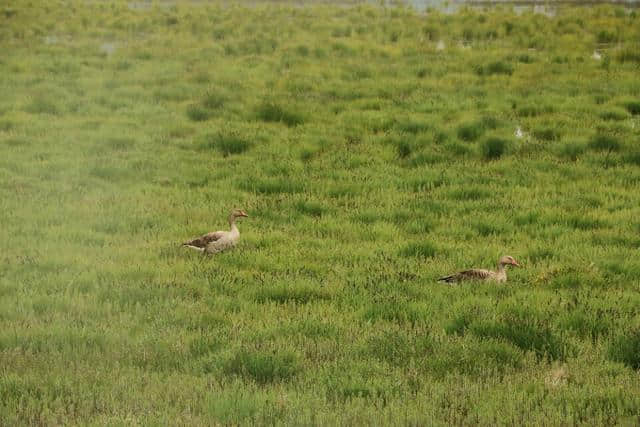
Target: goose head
508 260
237 213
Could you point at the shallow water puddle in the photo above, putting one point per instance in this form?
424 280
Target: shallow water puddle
146 5
109 47
139 5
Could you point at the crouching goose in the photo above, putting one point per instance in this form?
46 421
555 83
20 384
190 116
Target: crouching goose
218 241
478 274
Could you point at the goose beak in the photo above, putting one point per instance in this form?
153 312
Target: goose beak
515 263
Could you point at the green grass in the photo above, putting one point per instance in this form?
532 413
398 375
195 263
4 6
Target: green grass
270 112
493 147
374 150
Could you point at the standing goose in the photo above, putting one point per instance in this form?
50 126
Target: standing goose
218 241
479 274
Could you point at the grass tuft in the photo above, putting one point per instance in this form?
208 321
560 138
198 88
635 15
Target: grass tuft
294 292
119 143
523 334
633 158
42 106
633 107
197 113
314 209
614 114
603 142
268 186
493 148
396 313
225 144
403 148
572 150
398 347
585 324
470 131
625 348
547 134
629 54
495 68
534 110
233 407
270 112
263 367
419 250
213 100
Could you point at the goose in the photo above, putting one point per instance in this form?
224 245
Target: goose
218 241
479 274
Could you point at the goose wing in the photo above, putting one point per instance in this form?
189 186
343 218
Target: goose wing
205 240
473 274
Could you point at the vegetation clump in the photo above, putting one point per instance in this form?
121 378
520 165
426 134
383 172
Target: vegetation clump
614 114
470 131
547 134
226 144
270 112
197 113
572 150
493 148
605 142
633 107
421 250
625 348
263 367
495 68
374 149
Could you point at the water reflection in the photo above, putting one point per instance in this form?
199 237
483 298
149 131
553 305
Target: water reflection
542 7
519 6
108 47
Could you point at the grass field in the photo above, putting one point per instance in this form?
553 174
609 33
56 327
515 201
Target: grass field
374 150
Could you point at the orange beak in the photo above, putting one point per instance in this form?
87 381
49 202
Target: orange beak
244 214
515 263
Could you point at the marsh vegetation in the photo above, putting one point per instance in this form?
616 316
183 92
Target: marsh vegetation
375 149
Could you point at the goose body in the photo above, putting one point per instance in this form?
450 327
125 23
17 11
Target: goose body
218 241
500 275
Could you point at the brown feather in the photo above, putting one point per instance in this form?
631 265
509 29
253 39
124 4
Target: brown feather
467 275
203 241
475 274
